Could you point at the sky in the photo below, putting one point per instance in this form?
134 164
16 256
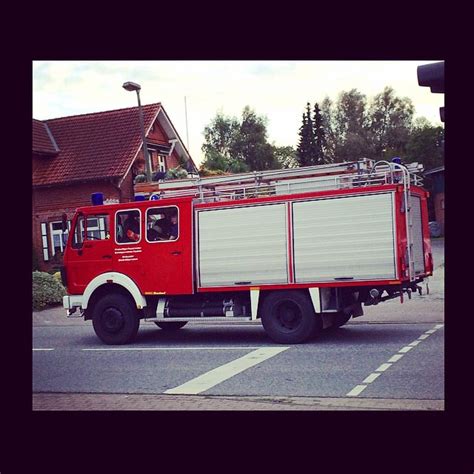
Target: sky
278 90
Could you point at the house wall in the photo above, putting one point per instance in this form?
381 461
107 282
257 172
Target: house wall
157 134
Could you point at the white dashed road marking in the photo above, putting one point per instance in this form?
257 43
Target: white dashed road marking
395 358
42 349
356 390
371 378
360 388
216 376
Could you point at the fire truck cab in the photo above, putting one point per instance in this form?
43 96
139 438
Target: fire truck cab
300 254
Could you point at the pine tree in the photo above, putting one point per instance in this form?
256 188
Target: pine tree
319 134
306 146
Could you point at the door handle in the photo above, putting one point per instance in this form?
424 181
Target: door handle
176 252
87 246
106 256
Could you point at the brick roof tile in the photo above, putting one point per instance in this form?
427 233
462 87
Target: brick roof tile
42 141
92 146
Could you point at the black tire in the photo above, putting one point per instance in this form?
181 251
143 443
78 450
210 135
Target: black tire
171 325
115 319
288 317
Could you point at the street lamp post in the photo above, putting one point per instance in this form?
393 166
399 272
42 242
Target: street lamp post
133 86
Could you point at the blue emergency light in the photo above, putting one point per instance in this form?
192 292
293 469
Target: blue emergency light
97 199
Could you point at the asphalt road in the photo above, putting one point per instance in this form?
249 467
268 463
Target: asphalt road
71 359
394 352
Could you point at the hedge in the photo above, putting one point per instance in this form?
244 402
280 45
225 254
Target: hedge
47 290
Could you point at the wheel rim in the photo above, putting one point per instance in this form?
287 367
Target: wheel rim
288 316
112 320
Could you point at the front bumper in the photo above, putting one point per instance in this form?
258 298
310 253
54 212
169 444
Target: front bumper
71 303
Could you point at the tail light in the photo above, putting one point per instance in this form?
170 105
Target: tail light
429 263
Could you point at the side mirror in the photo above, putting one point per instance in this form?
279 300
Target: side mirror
64 222
76 222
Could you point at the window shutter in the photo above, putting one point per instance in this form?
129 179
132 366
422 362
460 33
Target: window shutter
44 238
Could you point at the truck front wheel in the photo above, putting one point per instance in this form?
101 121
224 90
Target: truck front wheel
288 317
115 319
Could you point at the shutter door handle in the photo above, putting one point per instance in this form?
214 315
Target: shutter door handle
176 252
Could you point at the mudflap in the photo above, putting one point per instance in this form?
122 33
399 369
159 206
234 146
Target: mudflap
355 309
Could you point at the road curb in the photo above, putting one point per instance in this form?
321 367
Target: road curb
161 402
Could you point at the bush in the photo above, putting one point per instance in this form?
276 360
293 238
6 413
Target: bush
204 172
140 178
176 173
35 261
47 290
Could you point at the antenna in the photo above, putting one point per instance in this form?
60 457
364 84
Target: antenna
186 115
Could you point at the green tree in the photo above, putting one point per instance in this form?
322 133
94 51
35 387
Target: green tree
350 127
390 121
286 156
220 138
426 144
235 147
327 116
306 150
350 113
320 142
251 146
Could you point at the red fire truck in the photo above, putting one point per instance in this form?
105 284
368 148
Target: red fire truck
301 249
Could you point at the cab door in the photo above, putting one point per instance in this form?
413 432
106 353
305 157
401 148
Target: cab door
89 251
167 250
128 253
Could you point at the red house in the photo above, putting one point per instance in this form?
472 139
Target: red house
76 156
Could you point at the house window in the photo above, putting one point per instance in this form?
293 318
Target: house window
161 163
58 237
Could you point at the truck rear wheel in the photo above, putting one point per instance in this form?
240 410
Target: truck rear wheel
288 317
171 325
115 319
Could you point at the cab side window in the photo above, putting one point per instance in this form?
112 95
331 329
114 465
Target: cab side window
162 224
128 226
